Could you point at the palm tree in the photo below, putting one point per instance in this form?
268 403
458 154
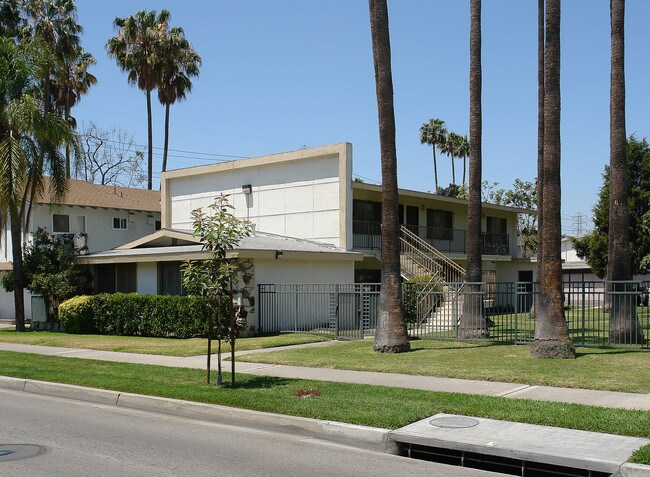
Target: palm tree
73 81
136 49
433 133
54 23
391 336
624 325
452 146
463 151
540 152
180 62
472 322
551 333
30 142
10 20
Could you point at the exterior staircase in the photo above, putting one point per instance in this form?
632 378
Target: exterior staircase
437 310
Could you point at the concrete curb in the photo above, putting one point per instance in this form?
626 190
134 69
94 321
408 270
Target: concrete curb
370 438
633 470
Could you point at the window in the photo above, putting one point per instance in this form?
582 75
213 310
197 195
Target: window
170 280
119 223
157 225
496 225
440 224
60 224
366 211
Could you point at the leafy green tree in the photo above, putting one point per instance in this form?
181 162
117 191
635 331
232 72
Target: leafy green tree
434 134
179 63
219 231
137 51
50 271
391 336
30 148
593 247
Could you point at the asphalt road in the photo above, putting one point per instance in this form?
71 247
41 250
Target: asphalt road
58 437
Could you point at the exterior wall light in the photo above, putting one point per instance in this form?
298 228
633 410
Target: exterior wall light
247 189
279 254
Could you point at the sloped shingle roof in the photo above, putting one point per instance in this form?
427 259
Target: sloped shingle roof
112 197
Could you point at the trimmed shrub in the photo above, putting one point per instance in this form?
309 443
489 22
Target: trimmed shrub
76 315
420 285
138 315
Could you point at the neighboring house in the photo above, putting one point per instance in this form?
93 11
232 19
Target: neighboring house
96 217
313 224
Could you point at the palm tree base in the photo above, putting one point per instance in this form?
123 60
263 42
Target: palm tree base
473 333
392 347
629 332
553 349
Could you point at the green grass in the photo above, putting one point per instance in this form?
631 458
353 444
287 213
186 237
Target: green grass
641 456
354 403
612 369
159 346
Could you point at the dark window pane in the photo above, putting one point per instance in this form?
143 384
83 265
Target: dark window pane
60 223
440 224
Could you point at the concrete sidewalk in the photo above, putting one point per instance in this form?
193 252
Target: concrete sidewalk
509 390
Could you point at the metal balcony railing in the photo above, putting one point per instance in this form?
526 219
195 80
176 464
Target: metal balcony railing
368 235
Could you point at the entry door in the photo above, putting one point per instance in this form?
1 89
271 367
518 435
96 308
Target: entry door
412 218
525 290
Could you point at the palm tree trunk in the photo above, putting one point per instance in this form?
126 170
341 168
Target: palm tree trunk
472 322
551 331
453 170
164 162
540 152
19 275
624 325
464 168
391 336
435 168
149 143
67 147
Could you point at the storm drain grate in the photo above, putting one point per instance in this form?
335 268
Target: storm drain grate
493 463
453 422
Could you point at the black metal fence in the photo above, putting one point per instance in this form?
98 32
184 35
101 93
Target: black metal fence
597 313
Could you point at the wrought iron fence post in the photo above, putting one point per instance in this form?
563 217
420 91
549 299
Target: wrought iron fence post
583 312
295 315
516 289
336 311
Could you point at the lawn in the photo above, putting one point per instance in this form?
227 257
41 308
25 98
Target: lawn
160 346
354 403
613 369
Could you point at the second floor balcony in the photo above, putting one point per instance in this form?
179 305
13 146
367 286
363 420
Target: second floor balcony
367 235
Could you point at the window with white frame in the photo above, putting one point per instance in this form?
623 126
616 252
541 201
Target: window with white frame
119 223
60 224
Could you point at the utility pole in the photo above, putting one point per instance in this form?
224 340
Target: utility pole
578 224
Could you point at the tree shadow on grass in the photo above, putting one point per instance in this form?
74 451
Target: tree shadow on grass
583 351
257 382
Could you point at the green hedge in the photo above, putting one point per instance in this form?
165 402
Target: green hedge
413 288
136 315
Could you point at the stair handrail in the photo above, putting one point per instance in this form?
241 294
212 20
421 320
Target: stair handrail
410 242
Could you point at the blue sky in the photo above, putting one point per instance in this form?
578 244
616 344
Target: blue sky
282 74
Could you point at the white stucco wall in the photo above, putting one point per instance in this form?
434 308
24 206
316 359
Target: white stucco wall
7 307
299 198
303 271
98 224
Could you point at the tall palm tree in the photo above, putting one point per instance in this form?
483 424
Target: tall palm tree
540 152
624 325
452 146
136 49
463 151
472 322
433 133
54 23
551 331
180 62
30 142
391 336
74 80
